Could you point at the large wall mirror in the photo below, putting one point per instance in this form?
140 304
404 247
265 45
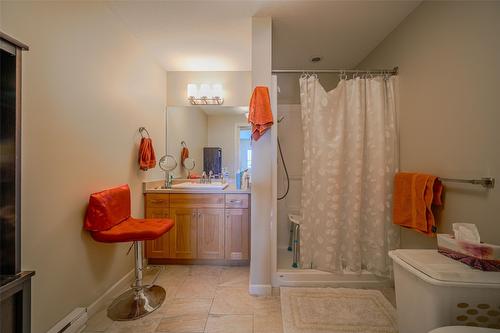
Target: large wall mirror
217 138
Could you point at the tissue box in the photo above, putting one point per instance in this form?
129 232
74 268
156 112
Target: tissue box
485 257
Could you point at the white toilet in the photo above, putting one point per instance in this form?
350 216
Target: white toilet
440 295
463 329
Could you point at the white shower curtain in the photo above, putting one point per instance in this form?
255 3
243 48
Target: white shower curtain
350 157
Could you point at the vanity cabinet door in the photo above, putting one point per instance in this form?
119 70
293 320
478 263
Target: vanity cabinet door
183 234
210 233
237 234
158 248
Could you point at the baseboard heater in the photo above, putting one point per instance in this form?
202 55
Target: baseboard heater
72 323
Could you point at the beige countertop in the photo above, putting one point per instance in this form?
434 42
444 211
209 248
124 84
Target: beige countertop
156 186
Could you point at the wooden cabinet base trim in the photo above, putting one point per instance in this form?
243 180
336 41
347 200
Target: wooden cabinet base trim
220 262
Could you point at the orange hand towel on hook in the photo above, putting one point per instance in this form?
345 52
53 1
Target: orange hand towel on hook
184 154
414 195
147 157
260 114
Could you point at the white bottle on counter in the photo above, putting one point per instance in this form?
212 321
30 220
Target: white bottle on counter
245 180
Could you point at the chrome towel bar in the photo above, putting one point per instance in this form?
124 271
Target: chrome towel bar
486 182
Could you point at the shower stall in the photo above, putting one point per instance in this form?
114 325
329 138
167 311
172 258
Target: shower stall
295 150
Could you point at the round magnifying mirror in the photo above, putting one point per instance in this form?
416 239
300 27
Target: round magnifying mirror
167 163
189 164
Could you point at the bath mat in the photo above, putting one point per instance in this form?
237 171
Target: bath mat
336 310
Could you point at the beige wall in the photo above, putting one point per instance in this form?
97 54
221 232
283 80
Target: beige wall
87 87
222 133
263 166
187 124
237 86
448 53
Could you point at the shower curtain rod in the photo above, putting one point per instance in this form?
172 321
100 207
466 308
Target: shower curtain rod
393 71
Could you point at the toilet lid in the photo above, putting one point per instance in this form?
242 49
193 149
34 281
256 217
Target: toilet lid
463 329
445 270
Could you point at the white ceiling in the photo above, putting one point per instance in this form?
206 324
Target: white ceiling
216 35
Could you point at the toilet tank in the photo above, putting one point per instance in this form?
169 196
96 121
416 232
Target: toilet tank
434 291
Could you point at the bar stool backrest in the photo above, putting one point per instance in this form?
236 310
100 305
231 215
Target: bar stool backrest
108 208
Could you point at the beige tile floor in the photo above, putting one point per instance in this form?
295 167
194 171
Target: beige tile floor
210 299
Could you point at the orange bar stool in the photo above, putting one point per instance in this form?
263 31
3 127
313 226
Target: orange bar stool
108 220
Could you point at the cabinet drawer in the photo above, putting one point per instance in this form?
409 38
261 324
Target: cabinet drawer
157 212
188 200
157 200
236 200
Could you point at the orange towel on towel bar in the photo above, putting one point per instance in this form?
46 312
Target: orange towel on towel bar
414 196
147 157
260 114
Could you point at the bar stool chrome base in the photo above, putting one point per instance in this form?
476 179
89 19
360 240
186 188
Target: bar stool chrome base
140 300
135 303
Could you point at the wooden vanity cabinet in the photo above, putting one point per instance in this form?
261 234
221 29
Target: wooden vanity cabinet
157 207
237 227
236 232
210 233
208 228
183 234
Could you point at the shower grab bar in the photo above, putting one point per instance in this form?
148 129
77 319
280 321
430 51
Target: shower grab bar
486 182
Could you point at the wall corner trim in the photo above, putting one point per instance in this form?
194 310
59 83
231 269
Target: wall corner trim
260 289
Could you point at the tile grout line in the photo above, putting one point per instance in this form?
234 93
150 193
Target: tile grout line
208 315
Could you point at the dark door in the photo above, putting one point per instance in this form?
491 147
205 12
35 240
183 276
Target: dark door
8 151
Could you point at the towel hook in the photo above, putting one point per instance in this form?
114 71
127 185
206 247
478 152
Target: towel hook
142 130
183 144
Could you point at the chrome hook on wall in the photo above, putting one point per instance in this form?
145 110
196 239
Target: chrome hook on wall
143 130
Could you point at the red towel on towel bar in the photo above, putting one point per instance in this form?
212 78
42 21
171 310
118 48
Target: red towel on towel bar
147 157
260 114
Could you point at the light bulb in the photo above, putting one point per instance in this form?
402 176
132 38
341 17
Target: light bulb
217 90
192 90
204 90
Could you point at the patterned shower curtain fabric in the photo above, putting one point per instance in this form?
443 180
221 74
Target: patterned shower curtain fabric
350 158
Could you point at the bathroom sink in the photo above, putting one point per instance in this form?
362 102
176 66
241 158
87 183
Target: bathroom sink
201 186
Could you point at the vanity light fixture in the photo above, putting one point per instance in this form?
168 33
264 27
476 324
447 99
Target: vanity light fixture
204 94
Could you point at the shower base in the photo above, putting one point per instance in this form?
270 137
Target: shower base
287 276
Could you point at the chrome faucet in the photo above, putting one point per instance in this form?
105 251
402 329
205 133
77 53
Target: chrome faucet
210 176
203 178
